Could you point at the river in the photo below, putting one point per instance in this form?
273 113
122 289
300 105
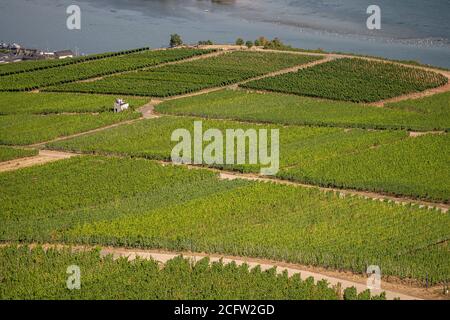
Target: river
411 29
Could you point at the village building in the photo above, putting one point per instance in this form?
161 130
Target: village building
63 54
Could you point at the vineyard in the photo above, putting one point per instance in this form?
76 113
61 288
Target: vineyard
7 153
27 129
438 104
139 203
386 169
27 118
354 80
431 113
190 76
27 66
120 191
180 279
50 103
94 68
320 156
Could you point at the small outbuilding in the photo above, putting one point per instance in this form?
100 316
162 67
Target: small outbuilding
64 54
120 105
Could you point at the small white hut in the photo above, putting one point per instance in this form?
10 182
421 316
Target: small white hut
120 105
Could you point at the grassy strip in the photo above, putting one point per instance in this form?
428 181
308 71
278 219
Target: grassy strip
307 154
137 203
81 71
106 278
48 103
7 153
191 76
354 80
431 113
25 129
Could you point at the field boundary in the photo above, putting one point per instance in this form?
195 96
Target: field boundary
233 175
44 156
393 289
381 103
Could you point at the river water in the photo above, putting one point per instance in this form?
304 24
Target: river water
411 29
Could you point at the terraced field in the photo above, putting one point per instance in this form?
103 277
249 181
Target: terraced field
120 194
140 203
191 76
7 153
356 80
322 156
27 66
28 118
180 279
80 71
426 114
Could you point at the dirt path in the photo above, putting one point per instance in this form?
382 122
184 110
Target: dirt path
148 110
44 156
394 288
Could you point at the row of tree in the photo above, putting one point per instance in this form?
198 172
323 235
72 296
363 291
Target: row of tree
276 43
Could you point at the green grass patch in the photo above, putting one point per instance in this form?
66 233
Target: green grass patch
138 203
37 274
191 76
354 80
432 113
8 153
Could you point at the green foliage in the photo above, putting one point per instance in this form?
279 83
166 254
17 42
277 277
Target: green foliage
175 40
431 113
249 44
413 167
139 203
239 42
356 159
48 103
38 274
354 80
91 69
206 43
190 76
7 153
27 66
24 129
437 104
350 294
